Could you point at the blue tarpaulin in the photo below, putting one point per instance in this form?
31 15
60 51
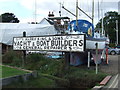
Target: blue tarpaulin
83 26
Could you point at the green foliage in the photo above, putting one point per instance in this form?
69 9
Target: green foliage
35 61
12 57
83 78
112 45
9 17
54 73
7 71
109 22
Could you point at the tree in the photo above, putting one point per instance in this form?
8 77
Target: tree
109 22
9 18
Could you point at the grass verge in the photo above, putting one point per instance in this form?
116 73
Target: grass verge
7 71
52 73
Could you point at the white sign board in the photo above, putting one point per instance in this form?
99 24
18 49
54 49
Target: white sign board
51 43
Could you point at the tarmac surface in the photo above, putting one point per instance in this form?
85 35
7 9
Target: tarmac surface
112 68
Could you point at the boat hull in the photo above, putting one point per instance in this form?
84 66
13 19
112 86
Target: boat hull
91 44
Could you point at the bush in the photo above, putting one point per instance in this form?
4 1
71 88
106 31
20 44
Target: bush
112 45
83 78
12 57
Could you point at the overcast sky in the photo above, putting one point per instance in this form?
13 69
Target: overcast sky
25 9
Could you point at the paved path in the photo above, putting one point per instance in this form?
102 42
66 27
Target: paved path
112 84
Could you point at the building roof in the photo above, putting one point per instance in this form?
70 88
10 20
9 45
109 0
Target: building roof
10 30
58 18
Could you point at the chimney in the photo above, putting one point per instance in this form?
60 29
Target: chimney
50 15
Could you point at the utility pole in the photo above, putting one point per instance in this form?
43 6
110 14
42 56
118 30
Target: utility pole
102 23
116 32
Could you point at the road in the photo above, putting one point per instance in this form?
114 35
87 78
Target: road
112 68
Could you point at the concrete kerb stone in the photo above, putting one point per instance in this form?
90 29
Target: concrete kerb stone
97 87
34 74
17 78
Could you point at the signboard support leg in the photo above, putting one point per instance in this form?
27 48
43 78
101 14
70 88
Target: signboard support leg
96 58
88 60
67 60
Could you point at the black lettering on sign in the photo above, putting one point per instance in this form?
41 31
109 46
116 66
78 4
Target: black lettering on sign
74 42
44 43
15 43
56 43
20 43
24 43
52 43
33 44
65 43
29 43
38 43
81 43
47 43
49 39
24 47
65 47
70 42
38 38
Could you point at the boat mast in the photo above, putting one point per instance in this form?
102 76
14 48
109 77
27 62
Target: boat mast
98 11
76 13
93 12
35 13
103 32
68 11
60 9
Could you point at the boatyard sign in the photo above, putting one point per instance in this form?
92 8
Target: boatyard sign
75 43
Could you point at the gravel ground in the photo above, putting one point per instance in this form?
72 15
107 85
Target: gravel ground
112 67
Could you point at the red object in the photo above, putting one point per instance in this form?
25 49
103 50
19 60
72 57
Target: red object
105 80
106 55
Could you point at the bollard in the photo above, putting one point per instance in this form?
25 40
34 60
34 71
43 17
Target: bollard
106 55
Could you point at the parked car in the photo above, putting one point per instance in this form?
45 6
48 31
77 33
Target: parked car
113 51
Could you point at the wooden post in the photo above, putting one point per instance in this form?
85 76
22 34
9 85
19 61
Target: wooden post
67 60
88 60
24 52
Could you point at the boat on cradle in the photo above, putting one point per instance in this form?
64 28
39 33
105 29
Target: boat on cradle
92 37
